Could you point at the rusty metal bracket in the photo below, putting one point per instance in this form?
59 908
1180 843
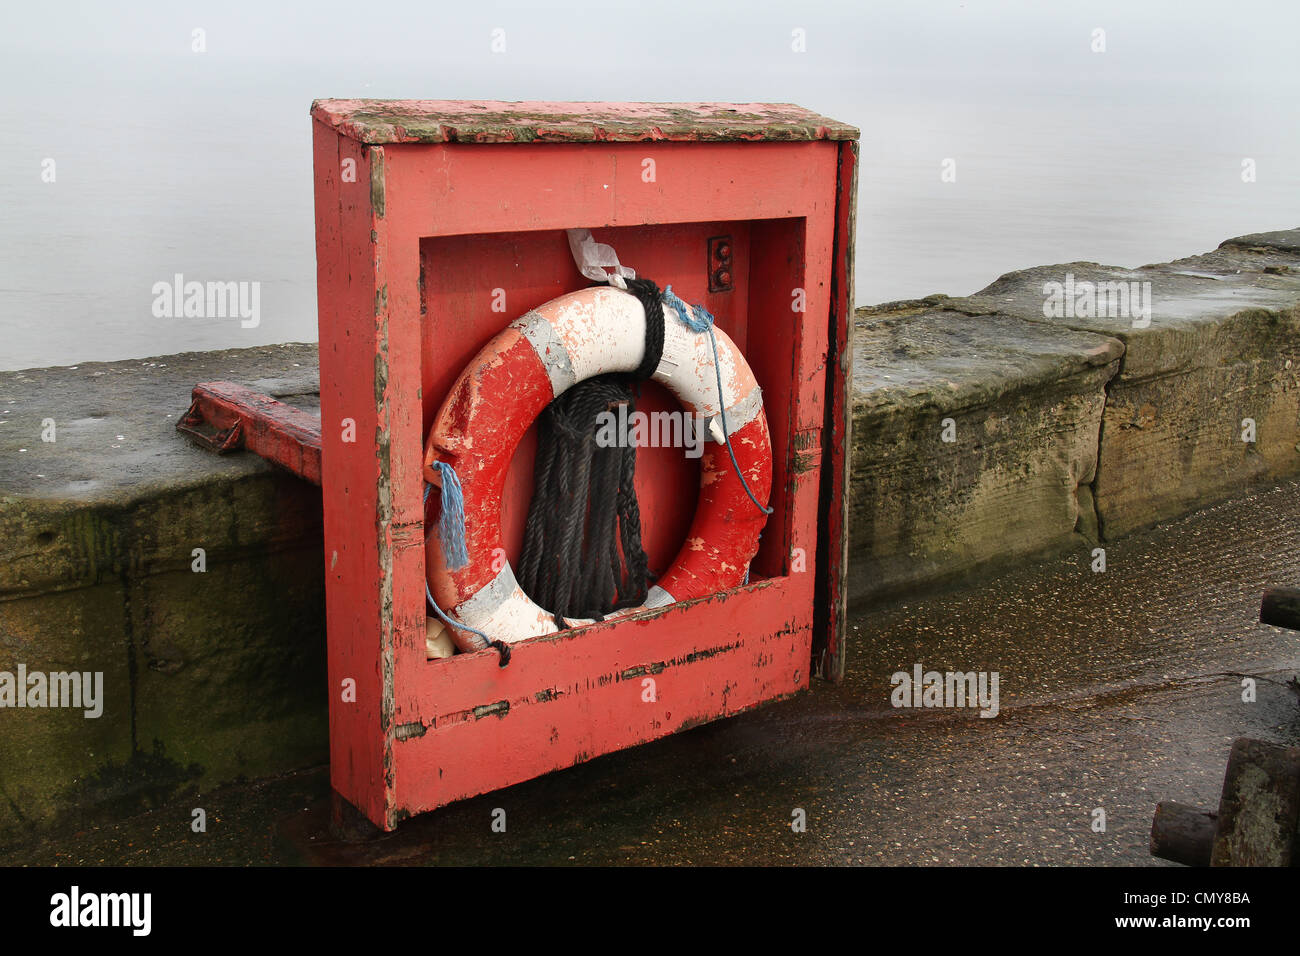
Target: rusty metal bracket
222 441
721 277
224 418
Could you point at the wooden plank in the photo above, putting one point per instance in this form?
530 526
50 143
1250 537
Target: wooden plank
1182 834
484 121
831 601
571 697
356 553
280 433
567 186
1280 607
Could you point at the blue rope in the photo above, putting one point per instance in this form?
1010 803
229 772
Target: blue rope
445 530
451 523
701 320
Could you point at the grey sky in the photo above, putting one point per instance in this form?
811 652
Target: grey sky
171 161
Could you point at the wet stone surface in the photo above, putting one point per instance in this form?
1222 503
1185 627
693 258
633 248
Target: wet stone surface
1118 689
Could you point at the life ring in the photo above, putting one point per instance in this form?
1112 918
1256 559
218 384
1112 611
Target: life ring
516 375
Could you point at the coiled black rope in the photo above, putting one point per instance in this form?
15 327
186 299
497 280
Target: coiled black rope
652 301
582 555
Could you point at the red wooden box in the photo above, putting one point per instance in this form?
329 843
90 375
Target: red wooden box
429 214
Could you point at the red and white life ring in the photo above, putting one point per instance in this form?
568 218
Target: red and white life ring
516 375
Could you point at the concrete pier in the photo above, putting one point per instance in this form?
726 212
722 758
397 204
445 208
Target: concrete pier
986 433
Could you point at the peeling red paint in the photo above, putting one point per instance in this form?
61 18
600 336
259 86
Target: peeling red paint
245 419
424 121
401 292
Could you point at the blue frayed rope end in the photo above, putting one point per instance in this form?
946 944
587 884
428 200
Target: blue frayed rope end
451 522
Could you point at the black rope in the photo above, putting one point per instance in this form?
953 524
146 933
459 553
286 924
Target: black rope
652 302
582 554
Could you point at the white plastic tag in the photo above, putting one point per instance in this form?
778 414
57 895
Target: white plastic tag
592 258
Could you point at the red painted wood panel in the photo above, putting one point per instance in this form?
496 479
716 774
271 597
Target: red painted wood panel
550 186
360 735
268 428
831 600
572 697
408 256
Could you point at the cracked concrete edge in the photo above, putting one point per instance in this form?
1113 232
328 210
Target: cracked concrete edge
1195 304
1025 491
1263 271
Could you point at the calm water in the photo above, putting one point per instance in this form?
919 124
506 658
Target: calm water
169 161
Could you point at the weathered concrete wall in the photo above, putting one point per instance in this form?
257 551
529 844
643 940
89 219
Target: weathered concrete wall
972 442
207 677
1043 438
1222 347
1066 431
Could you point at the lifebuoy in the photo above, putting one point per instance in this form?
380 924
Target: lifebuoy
516 375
